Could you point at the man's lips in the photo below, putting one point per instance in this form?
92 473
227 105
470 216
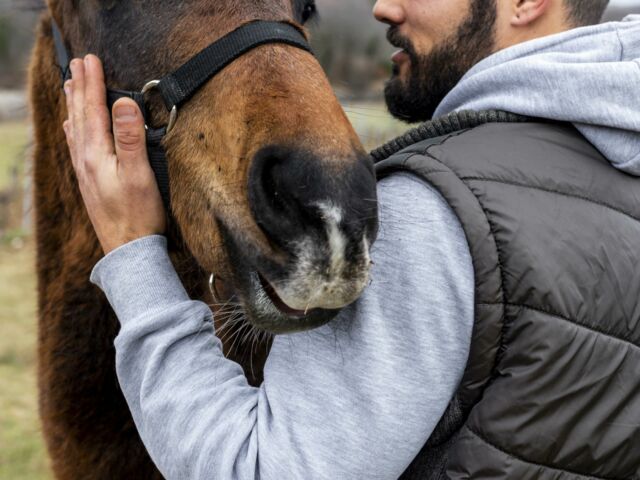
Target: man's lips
399 57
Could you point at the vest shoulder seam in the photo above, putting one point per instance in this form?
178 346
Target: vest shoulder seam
503 289
442 140
402 166
551 190
564 318
454 121
491 444
499 253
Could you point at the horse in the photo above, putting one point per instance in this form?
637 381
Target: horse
272 196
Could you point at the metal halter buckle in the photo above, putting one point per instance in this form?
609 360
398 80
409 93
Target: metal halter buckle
174 110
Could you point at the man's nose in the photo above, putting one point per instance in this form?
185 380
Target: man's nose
390 12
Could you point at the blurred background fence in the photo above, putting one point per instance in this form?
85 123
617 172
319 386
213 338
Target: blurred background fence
352 48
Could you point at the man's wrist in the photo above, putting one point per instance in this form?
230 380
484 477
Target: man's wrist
111 241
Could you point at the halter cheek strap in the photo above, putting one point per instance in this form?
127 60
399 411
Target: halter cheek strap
178 87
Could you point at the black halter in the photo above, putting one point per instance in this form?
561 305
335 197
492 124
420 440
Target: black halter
178 87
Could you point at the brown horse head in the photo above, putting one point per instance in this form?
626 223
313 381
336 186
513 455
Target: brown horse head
270 187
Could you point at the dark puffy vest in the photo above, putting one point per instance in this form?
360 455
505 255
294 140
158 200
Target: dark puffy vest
552 386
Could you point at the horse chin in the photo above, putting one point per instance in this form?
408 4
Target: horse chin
300 288
247 289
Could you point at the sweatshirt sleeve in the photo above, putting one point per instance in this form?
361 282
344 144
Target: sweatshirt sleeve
356 398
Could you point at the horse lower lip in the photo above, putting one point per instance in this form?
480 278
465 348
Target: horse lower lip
277 301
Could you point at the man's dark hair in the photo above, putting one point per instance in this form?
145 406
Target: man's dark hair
585 12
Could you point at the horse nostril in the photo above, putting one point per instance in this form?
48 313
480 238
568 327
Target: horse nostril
279 185
289 191
272 188
270 208
277 188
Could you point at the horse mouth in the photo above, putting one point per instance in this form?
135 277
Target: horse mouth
265 310
270 291
261 288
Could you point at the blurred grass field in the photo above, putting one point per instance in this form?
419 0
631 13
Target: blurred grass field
22 452
373 123
13 142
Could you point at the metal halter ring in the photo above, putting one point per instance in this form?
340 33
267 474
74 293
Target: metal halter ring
212 288
173 116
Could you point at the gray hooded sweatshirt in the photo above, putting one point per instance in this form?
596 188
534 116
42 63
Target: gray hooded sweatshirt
359 397
588 76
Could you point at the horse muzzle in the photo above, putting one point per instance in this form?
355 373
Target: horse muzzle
321 218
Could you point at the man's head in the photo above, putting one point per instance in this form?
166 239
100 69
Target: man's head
442 39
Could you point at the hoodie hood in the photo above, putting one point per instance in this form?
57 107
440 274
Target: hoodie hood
588 76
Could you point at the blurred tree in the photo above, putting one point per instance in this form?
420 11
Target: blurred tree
17 23
350 45
4 38
348 41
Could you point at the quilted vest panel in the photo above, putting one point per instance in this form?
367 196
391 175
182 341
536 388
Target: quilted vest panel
552 386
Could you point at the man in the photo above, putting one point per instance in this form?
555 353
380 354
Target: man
501 331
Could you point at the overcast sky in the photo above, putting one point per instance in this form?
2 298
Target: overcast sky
626 3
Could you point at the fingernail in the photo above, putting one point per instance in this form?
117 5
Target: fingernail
126 112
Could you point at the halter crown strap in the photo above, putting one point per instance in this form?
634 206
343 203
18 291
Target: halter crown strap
61 52
179 86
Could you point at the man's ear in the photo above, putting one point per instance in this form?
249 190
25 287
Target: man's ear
526 12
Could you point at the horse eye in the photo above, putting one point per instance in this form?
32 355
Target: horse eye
308 12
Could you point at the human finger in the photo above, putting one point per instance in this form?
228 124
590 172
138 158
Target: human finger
96 111
68 124
130 136
77 107
65 127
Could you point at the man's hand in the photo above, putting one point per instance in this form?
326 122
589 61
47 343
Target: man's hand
116 181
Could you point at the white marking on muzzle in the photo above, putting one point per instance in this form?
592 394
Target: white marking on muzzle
309 287
332 215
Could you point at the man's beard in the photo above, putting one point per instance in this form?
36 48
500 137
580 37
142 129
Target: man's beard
433 76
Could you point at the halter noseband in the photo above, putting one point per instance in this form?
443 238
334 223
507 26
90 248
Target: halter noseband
178 87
